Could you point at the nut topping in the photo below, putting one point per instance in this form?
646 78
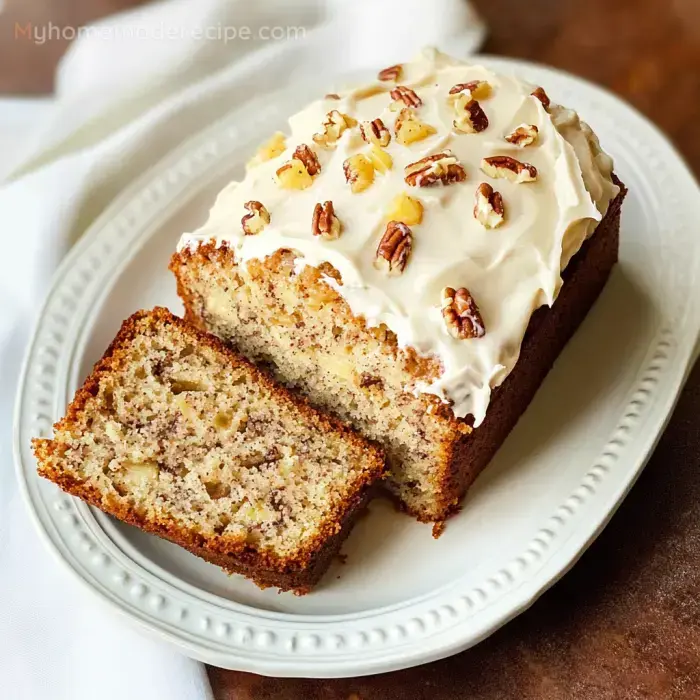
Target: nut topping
325 223
257 218
509 168
475 90
333 127
404 94
488 206
541 95
394 248
375 132
441 167
409 129
390 74
461 314
332 96
359 172
308 158
524 135
471 119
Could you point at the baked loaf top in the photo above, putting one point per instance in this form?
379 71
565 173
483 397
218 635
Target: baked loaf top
448 198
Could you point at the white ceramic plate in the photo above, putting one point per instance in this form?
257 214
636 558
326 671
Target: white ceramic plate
402 598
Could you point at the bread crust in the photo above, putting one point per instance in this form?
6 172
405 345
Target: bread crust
298 572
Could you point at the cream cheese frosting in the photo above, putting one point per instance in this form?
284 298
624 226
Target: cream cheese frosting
510 271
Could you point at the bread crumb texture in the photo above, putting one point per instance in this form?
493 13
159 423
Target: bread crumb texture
174 431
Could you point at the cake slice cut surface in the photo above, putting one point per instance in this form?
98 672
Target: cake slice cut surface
176 434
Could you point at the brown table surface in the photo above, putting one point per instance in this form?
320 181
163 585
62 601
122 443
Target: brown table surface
625 622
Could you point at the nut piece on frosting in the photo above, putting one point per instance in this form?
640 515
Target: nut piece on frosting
409 129
523 135
404 94
441 168
380 159
325 223
269 150
541 95
461 314
475 90
509 168
405 209
308 158
333 127
470 117
394 249
375 132
359 172
488 206
294 176
391 74
256 219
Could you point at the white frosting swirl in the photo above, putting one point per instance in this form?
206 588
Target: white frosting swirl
510 271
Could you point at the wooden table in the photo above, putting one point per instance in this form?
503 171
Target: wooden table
625 623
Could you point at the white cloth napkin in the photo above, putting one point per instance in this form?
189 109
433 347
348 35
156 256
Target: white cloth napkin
128 91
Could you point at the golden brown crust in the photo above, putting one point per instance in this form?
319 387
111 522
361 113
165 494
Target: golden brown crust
298 572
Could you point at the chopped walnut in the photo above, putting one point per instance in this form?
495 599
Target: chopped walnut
394 248
375 132
439 168
509 168
308 158
488 206
391 74
409 129
359 172
380 159
461 314
541 95
405 209
333 127
256 219
325 223
404 94
475 90
524 135
294 175
470 117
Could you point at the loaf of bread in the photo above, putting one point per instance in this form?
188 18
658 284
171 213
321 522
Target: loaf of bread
175 434
413 258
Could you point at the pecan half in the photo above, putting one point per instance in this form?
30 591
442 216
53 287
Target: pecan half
471 119
523 135
332 96
541 95
333 127
461 314
375 132
325 223
392 73
476 89
441 167
257 218
394 248
509 168
404 94
488 206
308 158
